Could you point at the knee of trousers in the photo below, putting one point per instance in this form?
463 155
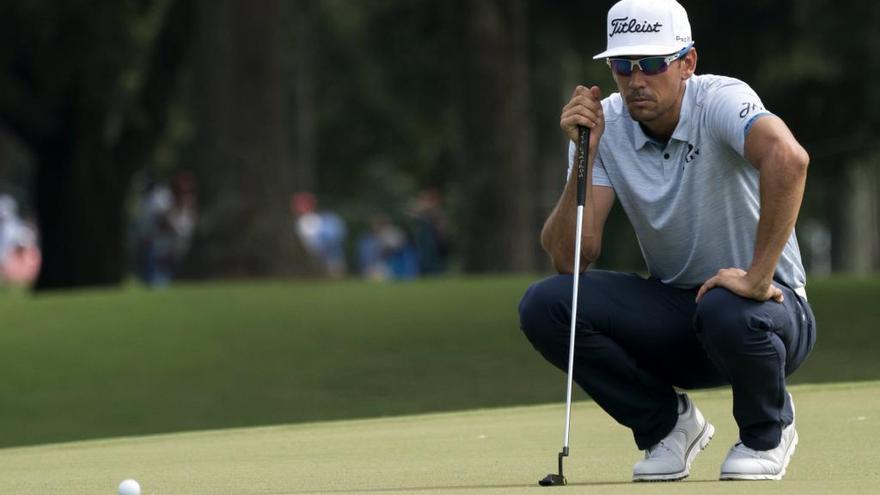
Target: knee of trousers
722 324
541 314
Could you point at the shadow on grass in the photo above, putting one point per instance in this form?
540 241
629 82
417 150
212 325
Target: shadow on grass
405 489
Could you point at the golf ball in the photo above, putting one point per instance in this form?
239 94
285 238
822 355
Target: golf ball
129 487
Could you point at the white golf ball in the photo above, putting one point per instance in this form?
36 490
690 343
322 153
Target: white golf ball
129 487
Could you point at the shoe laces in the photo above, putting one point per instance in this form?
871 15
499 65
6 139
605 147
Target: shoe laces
654 450
742 448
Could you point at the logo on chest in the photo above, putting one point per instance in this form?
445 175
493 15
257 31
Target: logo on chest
692 153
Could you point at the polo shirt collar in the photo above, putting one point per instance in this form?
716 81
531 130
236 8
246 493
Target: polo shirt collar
683 130
640 139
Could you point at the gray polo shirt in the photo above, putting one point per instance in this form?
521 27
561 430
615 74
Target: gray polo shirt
693 203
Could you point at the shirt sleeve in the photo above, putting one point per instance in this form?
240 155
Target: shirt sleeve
600 176
731 110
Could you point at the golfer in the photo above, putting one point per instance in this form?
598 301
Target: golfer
712 183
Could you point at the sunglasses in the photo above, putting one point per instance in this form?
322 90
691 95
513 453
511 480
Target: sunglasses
650 66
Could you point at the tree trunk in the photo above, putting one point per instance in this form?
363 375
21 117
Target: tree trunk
86 160
301 77
855 236
83 242
496 154
241 160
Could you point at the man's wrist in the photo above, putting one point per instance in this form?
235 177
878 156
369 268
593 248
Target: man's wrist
759 279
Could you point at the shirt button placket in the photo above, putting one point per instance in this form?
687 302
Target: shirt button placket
666 165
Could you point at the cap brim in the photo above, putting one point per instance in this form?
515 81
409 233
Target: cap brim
632 51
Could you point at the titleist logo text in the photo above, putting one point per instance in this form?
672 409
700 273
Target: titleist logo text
623 25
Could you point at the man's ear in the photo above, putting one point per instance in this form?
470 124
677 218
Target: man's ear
689 63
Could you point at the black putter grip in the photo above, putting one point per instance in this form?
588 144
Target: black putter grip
582 153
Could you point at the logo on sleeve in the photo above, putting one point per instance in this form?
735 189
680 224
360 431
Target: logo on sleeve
748 107
624 25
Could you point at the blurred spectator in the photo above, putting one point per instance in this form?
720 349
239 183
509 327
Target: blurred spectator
370 253
164 225
182 216
321 232
19 250
8 224
154 242
430 226
385 252
818 243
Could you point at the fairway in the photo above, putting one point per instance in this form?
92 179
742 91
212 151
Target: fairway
481 452
98 364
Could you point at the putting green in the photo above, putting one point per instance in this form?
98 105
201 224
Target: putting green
487 452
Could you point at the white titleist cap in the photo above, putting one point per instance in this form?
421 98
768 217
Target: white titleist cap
646 27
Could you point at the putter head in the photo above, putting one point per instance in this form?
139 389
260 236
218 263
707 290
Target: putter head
553 480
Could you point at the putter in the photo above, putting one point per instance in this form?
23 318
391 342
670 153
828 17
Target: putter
553 479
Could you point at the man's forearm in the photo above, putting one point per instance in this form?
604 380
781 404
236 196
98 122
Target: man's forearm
782 180
558 234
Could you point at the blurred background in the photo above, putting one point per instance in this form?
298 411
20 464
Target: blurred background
386 139
320 143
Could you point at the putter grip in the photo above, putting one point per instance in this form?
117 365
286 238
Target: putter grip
582 153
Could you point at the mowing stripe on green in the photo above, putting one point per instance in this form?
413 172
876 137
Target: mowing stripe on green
491 451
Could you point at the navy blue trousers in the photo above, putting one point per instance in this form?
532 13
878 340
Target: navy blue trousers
638 339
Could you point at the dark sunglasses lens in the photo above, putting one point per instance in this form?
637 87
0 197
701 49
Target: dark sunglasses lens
621 66
653 65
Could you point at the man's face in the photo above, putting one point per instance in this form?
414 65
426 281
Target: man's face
652 98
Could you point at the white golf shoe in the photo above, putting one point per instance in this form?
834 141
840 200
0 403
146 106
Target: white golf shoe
671 458
743 463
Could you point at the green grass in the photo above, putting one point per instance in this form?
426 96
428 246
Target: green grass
110 363
500 451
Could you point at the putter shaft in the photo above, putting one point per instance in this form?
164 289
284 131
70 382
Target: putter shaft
583 149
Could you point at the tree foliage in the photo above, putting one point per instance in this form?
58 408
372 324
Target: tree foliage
365 103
